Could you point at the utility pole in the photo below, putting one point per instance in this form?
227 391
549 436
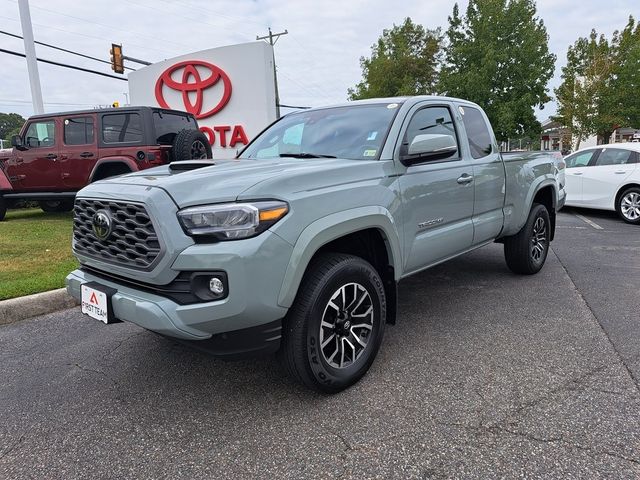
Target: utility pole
30 51
272 42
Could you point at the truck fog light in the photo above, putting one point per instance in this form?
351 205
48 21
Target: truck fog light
216 286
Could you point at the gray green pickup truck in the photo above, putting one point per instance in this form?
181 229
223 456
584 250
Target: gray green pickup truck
297 246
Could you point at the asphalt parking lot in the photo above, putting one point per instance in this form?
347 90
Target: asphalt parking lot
486 375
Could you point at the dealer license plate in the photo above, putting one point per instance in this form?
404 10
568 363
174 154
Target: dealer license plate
95 303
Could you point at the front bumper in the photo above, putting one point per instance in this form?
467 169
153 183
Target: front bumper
255 270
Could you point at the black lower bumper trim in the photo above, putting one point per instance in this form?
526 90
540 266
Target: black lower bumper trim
239 344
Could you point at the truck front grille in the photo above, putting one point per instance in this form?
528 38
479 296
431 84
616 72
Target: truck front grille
132 241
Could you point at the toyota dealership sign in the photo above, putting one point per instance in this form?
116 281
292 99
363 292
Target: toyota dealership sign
230 90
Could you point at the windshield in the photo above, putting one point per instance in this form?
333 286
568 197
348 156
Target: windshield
352 132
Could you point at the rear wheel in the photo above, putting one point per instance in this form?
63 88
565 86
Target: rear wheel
191 145
3 208
526 251
628 205
333 331
52 206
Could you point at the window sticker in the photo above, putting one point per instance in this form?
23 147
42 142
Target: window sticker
392 105
372 135
461 110
369 153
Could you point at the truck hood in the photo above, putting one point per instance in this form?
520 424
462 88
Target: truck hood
226 180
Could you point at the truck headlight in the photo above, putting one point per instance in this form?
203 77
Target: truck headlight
231 221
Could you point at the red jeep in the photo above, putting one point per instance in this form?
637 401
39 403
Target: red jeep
56 155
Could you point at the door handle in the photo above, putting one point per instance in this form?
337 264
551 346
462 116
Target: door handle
577 173
620 172
51 156
19 160
86 154
464 179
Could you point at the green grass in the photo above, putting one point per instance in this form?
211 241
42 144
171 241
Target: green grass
35 252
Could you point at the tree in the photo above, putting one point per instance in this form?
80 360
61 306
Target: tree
10 124
403 62
584 96
626 73
600 84
497 55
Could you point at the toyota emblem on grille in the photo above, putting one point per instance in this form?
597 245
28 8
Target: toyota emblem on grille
102 225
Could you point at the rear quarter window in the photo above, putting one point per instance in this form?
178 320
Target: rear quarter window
480 143
122 128
167 125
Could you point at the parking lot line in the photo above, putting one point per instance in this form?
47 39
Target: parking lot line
590 222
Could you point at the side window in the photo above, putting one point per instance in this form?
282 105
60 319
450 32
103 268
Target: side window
78 131
122 128
41 134
580 159
614 156
167 126
429 120
478 134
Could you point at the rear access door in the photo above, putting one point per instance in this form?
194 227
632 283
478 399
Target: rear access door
78 152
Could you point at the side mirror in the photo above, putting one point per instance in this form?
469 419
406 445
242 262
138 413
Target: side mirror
427 147
16 141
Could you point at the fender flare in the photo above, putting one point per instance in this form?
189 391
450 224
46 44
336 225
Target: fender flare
536 186
329 228
128 161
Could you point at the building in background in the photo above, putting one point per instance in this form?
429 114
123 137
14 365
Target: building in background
556 137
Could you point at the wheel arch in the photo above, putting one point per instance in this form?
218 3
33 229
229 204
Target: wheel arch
544 191
368 232
105 163
621 190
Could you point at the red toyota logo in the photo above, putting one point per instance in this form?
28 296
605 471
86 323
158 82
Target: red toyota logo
192 82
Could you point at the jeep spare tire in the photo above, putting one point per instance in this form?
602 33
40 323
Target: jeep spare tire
191 145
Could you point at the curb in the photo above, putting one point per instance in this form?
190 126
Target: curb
21 308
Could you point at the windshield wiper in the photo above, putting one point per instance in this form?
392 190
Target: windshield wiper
306 155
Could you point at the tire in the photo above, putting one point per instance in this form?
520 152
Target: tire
52 206
526 251
332 369
3 208
628 205
191 145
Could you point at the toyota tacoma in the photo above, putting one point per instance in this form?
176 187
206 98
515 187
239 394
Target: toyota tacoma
297 245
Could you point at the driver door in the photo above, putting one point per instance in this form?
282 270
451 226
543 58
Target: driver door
37 167
577 165
437 195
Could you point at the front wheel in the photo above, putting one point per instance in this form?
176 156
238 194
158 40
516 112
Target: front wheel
52 206
628 206
333 331
3 208
526 251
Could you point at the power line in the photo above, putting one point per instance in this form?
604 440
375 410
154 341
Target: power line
4 101
106 25
85 35
65 65
63 49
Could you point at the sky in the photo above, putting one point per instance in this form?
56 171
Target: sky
318 60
